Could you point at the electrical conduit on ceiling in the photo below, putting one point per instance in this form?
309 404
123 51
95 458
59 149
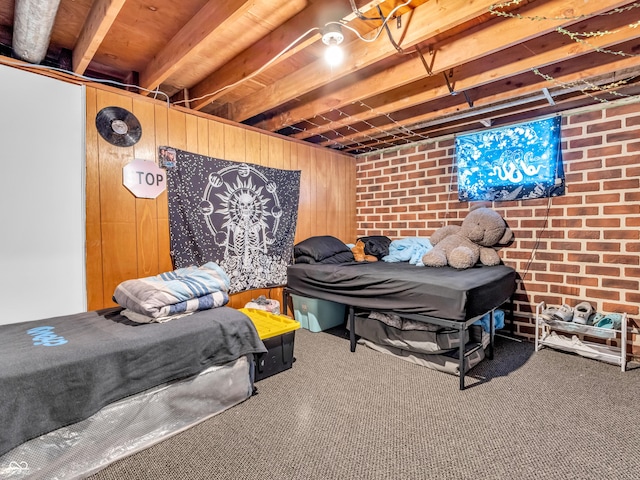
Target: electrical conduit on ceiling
32 26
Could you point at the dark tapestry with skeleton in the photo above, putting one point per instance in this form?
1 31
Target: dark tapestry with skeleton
239 215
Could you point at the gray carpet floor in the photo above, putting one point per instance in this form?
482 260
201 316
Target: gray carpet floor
367 415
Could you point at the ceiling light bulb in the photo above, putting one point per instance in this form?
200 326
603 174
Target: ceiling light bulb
333 55
332 37
332 33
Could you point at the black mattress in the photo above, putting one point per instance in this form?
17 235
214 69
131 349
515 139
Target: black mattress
441 292
61 370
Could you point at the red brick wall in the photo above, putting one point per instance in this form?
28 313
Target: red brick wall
590 247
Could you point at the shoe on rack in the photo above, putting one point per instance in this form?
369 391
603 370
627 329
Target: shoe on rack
564 313
612 321
548 313
582 312
594 318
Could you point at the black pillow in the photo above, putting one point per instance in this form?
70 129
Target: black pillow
342 257
320 247
376 245
303 259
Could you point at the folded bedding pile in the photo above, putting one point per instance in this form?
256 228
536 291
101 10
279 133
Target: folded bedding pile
174 294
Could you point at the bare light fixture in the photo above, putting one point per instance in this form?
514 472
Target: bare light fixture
332 37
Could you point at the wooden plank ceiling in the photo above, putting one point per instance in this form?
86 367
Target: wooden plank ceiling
434 67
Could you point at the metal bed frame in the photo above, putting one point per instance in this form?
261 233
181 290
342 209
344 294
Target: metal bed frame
461 326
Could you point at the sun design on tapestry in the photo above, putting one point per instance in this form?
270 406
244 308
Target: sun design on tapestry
242 211
239 215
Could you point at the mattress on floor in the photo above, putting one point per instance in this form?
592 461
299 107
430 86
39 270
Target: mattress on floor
130 425
61 370
441 292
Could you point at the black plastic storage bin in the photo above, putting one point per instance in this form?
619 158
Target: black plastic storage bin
277 332
279 356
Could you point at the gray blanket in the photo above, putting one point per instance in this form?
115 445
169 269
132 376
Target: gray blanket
185 290
62 370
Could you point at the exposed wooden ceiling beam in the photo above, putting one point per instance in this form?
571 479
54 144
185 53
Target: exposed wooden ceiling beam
101 17
563 83
527 109
517 60
420 24
473 44
264 51
535 106
189 40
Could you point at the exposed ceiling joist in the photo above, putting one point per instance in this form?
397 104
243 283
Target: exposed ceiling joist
102 15
474 74
477 43
493 102
267 50
191 38
425 22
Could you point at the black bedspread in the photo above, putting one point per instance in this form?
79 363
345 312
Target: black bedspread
61 370
405 288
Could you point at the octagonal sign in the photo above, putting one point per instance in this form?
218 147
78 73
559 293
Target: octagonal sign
144 178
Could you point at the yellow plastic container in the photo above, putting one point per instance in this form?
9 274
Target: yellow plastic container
269 324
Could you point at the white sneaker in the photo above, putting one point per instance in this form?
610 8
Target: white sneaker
582 312
564 313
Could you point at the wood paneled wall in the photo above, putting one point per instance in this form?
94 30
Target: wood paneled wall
128 237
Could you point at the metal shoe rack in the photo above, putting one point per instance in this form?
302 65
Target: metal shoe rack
571 339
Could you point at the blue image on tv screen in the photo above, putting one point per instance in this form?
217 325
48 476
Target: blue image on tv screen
518 162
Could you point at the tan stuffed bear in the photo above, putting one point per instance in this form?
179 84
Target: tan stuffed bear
359 255
463 246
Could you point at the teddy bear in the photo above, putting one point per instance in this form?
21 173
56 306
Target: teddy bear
462 246
359 255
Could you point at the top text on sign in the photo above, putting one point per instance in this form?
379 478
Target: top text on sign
144 178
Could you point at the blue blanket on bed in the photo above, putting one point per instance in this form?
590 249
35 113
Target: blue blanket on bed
181 291
410 249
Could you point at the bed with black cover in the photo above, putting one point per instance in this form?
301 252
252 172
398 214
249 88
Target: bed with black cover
441 296
60 371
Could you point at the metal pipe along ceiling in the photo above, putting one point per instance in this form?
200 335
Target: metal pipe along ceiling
32 25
